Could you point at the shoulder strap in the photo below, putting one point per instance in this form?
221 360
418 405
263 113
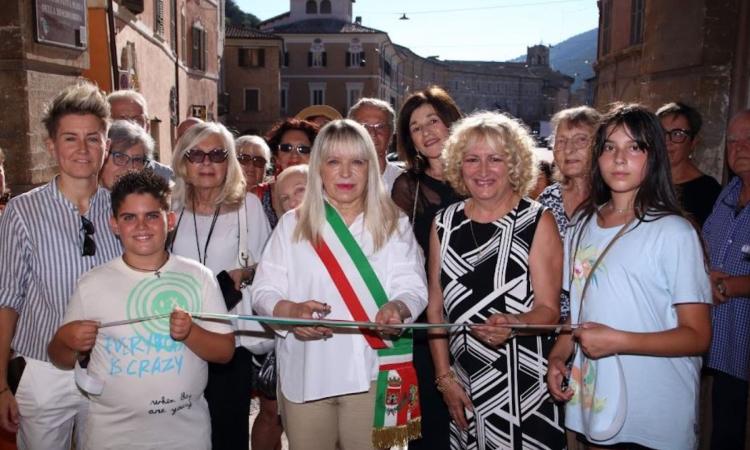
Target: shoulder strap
599 259
243 254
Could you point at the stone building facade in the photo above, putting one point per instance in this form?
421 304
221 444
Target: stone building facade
31 73
168 50
701 56
330 58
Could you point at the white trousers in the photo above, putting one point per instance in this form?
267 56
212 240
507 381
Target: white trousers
49 403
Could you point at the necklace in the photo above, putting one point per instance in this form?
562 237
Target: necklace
156 271
617 210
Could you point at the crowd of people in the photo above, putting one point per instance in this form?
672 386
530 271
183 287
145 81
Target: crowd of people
505 310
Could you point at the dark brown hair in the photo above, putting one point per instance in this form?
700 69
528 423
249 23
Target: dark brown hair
273 137
445 108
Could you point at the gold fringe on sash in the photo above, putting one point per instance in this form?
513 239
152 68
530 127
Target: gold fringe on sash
387 437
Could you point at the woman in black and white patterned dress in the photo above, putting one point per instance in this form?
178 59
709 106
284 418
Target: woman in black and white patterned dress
496 259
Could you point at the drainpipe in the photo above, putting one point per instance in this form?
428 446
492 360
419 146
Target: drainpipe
113 46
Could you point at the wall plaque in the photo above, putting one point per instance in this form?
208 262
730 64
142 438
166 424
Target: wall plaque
61 22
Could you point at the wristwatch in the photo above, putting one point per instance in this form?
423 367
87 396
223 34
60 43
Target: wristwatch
721 287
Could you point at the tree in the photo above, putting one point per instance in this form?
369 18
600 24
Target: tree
236 16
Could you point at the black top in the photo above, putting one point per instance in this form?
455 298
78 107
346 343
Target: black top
697 197
433 195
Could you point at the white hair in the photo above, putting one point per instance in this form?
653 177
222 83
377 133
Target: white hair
255 142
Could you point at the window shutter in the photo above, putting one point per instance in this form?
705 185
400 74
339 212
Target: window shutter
242 57
325 59
309 59
262 57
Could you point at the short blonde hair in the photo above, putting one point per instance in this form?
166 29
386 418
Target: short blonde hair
507 136
380 213
80 98
254 142
233 190
297 169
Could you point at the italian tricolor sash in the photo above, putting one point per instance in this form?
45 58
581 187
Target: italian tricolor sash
397 414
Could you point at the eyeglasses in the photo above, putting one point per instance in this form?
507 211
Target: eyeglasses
677 135
376 128
89 246
579 141
217 155
123 159
256 161
301 149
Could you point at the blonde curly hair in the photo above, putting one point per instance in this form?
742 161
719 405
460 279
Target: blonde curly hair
509 137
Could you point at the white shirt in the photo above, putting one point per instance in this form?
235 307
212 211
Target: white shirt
391 172
223 254
344 363
153 385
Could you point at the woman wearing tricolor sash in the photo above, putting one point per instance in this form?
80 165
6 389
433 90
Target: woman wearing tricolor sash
346 253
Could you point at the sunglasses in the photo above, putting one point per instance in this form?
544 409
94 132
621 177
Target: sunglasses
217 155
301 149
89 246
256 161
123 159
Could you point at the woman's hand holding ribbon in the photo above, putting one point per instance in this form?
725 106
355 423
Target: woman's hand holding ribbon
310 309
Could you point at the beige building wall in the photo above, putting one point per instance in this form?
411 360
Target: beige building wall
265 79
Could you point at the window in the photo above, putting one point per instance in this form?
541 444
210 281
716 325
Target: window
355 57
606 27
173 27
284 58
251 57
636 22
325 7
353 93
283 101
311 7
159 17
387 68
316 57
183 36
317 93
252 100
198 60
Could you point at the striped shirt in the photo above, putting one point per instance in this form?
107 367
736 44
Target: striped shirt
41 240
726 231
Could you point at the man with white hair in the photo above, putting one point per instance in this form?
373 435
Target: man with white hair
127 104
379 119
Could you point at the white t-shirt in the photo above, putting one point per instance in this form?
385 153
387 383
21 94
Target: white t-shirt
391 172
222 253
646 273
344 363
153 385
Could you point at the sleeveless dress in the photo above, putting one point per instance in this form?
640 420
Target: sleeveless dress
485 270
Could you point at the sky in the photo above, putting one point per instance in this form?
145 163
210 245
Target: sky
487 30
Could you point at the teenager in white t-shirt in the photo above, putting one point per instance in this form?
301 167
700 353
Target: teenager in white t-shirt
646 307
154 371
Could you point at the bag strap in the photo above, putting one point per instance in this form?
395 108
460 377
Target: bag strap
594 266
243 254
414 208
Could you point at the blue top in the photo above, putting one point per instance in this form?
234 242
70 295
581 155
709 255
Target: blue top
725 232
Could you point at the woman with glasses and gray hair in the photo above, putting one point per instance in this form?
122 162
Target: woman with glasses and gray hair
347 253
696 191
130 148
254 157
290 141
223 227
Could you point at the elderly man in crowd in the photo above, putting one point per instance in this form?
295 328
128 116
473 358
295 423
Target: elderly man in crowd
379 120
727 236
49 237
128 104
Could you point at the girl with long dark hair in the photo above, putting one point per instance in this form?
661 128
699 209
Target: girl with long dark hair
640 296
